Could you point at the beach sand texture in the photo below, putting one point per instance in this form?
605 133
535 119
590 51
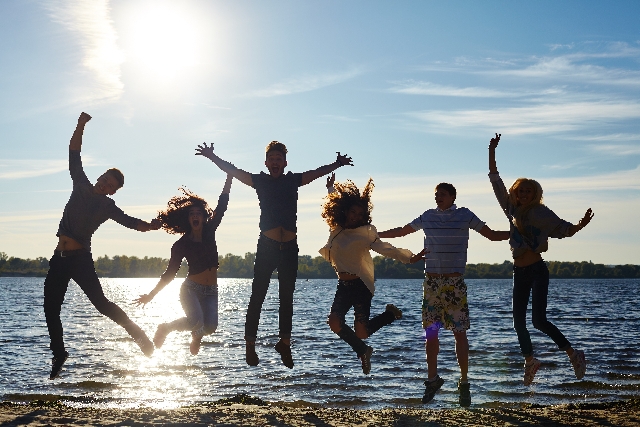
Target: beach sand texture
40 413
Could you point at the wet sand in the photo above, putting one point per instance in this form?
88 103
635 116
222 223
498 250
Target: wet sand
624 413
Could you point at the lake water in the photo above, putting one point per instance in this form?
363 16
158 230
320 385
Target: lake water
106 368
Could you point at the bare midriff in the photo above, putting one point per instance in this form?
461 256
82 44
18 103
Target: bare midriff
444 274
66 243
279 234
208 277
347 276
527 258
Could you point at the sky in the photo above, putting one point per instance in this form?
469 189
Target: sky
411 90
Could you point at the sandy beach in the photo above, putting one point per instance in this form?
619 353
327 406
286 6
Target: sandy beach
228 413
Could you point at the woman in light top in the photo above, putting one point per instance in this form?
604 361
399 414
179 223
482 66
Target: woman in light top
348 214
190 215
531 224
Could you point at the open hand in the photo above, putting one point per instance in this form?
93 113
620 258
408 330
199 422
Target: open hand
494 141
142 300
419 256
331 179
205 151
586 219
343 160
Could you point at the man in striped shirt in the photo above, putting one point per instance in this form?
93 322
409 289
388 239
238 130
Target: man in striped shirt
446 230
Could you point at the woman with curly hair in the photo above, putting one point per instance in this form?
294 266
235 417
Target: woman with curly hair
190 215
532 223
348 213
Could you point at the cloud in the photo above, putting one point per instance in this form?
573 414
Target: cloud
537 119
90 21
427 88
304 84
18 169
616 149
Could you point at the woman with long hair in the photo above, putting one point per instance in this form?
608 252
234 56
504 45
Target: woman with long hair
348 214
531 224
190 215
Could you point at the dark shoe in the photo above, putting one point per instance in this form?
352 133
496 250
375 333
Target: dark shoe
366 360
145 344
397 313
431 389
251 355
56 365
465 394
196 340
161 334
285 354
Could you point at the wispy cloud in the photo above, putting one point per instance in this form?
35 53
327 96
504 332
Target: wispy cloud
616 149
18 169
542 118
90 21
304 84
427 88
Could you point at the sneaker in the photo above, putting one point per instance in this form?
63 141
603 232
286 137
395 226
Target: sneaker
196 340
161 334
431 388
397 313
530 370
251 355
285 353
465 394
145 344
366 360
579 363
56 365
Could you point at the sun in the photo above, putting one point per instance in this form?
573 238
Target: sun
163 40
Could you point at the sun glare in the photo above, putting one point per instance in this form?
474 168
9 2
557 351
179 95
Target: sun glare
164 40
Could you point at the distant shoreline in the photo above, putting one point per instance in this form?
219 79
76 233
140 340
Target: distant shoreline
235 266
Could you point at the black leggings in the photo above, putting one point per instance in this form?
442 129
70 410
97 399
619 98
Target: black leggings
354 293
80 268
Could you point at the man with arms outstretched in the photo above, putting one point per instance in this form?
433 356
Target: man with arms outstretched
87 208
444 304
277 245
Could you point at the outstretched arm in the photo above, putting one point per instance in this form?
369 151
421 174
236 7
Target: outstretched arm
242 176
586 219
494 235
143 300
493 143
341 160
143 226
397 232
76 139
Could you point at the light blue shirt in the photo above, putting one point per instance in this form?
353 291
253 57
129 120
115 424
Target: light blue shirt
446 238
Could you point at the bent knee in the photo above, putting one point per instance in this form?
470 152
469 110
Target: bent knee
335 322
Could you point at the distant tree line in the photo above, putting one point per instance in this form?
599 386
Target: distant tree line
311 268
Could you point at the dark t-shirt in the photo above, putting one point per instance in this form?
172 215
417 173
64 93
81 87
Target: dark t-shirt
200 255
86 211
278 200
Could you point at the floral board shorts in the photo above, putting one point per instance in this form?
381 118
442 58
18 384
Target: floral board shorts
444 304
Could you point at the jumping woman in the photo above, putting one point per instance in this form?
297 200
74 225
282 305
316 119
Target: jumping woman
189 215
531 224
352 235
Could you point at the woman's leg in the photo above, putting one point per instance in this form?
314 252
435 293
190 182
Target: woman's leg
342 302
521 291
209 305
540 290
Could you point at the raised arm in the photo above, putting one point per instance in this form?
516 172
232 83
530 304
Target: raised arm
331 179
493 143
341 160
586 219
223 202
76 139
494 235
397 232
242 176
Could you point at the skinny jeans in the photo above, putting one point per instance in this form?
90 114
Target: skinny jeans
80 268
200 304
271 255
533 280
354 293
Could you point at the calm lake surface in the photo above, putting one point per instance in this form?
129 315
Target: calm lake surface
106 368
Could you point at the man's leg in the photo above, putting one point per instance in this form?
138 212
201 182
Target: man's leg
55 288
462 353
432 348
432 312
85 276
287 273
